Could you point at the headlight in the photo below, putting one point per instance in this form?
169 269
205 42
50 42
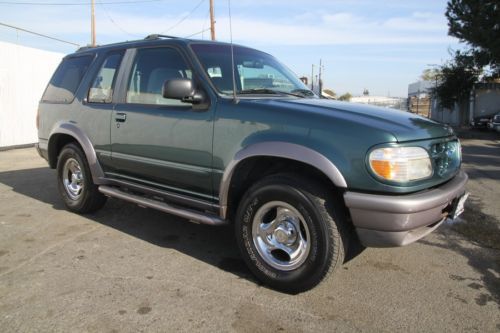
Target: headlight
402 164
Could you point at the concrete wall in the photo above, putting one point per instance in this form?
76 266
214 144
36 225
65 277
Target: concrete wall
447 116
484 102
24 73
457 116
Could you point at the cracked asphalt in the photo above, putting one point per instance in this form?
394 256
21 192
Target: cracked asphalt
129 269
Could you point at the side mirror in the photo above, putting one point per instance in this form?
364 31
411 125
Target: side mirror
182 89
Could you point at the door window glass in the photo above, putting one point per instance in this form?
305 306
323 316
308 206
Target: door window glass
151 68
101 90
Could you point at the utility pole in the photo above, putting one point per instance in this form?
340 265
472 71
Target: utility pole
212 20
312 78
320 83
418 99
92 23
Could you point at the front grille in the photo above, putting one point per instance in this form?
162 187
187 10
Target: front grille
446 157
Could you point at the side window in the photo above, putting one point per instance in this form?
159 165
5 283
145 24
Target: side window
214 71
66 79
101 90
151 68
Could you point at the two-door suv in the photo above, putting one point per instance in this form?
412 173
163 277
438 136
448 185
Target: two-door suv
224 134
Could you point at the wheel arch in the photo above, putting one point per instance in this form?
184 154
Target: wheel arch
63 133
279 150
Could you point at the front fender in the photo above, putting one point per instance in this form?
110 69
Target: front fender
278 149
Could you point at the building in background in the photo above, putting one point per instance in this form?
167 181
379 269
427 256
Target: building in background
419 99
24 74
398 103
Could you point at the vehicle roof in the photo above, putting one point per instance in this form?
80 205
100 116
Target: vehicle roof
149 40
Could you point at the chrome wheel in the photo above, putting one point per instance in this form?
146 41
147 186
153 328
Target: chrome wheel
72 177
281 235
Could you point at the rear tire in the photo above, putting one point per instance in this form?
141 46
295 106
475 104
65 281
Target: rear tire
74 180
291 232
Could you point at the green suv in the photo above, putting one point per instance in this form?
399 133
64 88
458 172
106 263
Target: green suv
224 134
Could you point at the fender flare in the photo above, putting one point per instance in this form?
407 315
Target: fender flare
71 129
278 149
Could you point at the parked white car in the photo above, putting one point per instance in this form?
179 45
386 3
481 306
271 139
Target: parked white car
494 123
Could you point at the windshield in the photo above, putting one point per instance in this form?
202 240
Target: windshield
256 72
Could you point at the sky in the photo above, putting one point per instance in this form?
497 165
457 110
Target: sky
381 46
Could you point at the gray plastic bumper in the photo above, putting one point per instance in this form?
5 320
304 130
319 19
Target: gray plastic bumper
41 148
397 220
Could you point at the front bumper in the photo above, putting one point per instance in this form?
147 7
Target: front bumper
397 220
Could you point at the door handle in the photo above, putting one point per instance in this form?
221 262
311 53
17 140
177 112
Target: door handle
120 117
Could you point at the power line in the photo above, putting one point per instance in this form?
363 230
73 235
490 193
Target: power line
205 22
121 2
184 17
197 33
113 21
38 34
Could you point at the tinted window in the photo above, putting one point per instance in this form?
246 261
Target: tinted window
101 90
151 68
66 79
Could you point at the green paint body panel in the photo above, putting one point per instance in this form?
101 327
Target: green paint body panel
187 150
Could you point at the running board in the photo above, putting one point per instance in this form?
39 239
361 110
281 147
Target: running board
161 206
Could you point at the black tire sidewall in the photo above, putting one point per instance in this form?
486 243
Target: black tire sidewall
311 271
73 151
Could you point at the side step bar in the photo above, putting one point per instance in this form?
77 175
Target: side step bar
161 206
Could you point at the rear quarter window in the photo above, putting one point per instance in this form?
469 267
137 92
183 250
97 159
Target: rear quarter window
66 79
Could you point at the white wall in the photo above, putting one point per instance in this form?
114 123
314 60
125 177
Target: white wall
24 74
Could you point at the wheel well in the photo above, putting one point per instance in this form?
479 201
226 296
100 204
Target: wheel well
56 143
253 169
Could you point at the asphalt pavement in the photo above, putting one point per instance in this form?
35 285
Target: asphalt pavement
129 269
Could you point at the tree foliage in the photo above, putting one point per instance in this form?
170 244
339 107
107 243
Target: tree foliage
430 74
477 23
330 93
457 78
345 97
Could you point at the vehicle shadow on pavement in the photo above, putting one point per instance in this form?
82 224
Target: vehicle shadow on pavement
486 156
213 245
485 261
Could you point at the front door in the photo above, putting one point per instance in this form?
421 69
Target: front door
158 141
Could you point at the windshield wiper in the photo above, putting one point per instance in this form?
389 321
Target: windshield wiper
303 92
268 91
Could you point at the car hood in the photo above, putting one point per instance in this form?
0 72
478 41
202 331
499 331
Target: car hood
404 126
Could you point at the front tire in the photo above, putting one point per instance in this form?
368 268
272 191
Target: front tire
74 180
291 232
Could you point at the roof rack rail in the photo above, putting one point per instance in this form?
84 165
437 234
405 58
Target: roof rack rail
158 36
86 47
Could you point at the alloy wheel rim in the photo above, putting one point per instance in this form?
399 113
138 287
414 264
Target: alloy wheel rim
73 178
281 236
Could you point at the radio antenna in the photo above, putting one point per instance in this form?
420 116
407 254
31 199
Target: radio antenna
235 100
